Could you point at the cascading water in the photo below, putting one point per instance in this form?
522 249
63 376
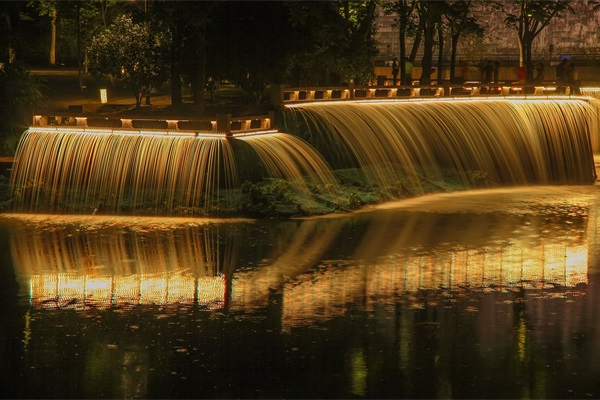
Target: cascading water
289 157
394 143
514 142
81 171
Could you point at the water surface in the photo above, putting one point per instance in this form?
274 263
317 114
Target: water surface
484 294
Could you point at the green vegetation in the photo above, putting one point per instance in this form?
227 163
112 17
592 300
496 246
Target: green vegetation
275 198
5 195
21 93
133 52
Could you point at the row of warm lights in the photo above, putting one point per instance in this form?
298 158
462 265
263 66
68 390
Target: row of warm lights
64 290
157 132
81 127
439 90
438 99
324 294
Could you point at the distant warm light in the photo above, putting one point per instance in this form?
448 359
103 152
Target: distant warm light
103 96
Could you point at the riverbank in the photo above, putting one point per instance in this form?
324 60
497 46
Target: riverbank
269 197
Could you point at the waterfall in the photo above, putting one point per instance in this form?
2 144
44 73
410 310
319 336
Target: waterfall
394 144
67 170
512 141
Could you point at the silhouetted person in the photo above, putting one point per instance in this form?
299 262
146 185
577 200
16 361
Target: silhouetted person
488 72
573 79
539 73
395 71
211 88
562 71
496 71
407 71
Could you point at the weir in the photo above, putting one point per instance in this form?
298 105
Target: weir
512 141
66 164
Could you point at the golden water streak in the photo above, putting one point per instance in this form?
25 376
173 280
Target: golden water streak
513 141
67 169
104 169
290 158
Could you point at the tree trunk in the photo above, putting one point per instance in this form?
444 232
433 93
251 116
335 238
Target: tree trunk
416 44
138 97
80 79
440 74
176 96
52 59
454 47
200 75
528 63
401 61
427 52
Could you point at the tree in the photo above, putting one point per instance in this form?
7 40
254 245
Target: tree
430 13
260 44
460 23
11 38
20 93
404 11
188 25
79 22
137 53
337 40
528 18
49 8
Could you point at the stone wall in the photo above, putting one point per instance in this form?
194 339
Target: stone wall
575 34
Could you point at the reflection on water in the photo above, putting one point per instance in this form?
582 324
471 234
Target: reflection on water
71 268
399 302
80 269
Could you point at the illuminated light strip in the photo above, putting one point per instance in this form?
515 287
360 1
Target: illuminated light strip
153 132
438 99
44 129
211 135
269 132
117 131
87 130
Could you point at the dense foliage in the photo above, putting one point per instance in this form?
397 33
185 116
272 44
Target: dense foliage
132 51
21 93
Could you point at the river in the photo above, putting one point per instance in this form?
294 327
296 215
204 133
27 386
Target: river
480 294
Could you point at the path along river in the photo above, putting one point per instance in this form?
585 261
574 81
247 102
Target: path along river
487 294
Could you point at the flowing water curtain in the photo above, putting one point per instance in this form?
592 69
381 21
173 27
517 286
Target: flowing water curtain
593 92
291 158
594 101
512 141
111 172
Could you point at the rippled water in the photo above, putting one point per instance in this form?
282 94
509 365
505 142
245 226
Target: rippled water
486 294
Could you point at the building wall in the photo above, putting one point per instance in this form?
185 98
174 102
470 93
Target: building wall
576 34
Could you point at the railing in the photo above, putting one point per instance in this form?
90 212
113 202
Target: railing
223 124
340 93
227 125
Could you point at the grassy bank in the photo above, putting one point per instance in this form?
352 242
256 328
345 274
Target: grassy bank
269 198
